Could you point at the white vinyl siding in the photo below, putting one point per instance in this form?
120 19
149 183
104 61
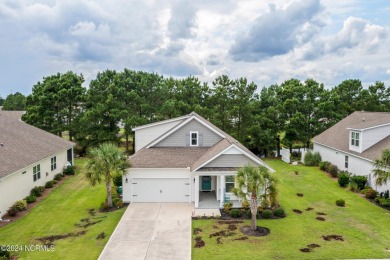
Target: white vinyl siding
373 136
231 160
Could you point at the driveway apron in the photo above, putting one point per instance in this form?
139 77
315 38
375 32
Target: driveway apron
152 231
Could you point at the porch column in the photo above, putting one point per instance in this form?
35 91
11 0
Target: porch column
196 191
222 190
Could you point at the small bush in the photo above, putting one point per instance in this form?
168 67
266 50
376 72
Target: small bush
360 181
114 193
279 212
227 207
49 184
37 191
30 199
12 211
115 201
267 214
333 170
343 179
377 199
58 177
235 213
104 206
312 159
54 182
385 202
354 187
370 193
70 170
245 204
340 203
20 205
324 166
119 204
117 180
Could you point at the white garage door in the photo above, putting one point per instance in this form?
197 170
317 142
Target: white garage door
160 190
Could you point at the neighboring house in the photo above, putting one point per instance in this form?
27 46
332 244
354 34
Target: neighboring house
185 159
29 157
354 143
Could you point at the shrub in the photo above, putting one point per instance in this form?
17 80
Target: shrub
340 203
359 180
354 187
245 204
312 159
12 211
114 193
235 213
227 206
343 179
104 206
267 214
370 193
333 170
54 182
37 191
324 166
119 204
49 184
386 194
279 212
117 180
58 177
30 199
20 205
377 199
4 254
70 170
385 202
115 201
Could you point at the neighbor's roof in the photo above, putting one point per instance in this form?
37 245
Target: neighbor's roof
23 144
183 157
338 135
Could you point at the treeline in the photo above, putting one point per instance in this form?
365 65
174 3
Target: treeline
293 111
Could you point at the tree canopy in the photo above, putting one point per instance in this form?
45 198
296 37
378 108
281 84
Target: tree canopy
14 102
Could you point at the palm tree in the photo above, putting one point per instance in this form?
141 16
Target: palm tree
106 161
382 168
255 183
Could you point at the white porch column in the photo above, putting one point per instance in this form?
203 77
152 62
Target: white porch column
196 191
222 189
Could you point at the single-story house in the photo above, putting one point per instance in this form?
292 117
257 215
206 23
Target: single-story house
185 159
354 143
29 157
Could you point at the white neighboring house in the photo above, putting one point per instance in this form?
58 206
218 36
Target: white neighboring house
29 157
354 143
185 159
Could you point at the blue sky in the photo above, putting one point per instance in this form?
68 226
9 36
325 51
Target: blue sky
266 41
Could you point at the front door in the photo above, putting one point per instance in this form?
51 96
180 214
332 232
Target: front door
206 183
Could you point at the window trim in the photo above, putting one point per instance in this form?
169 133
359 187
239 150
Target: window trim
230 182
36 172
197 138
346 162
53 163
355 138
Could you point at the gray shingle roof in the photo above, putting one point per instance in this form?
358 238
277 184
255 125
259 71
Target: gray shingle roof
24 145
338 135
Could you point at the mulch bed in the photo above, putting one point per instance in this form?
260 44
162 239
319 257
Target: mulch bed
300 194
199 242
313 246
230 222
48 240
259 232
297 211
241 238
101 236
333 237
309 248
197 231
320 218
321 214
309 209
232 227
223 233
30 206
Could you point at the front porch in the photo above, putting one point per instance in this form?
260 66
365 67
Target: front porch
208 200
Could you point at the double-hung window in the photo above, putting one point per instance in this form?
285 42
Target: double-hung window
194 139
229 183
346 161
355 139
37 172
53 163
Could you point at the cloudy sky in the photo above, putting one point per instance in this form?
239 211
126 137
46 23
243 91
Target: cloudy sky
267 41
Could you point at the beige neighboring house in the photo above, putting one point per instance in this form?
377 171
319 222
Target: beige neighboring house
354 143
185 159
29 157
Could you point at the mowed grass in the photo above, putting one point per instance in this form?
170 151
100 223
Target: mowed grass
364 226
57 214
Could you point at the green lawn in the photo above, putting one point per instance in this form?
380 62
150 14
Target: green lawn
364 226
57 214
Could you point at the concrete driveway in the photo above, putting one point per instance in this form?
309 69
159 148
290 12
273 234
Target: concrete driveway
152 231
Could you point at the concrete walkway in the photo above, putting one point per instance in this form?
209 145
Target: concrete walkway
152 231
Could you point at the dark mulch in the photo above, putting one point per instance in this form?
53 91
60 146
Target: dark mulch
91 212
88 224
321 214
48 240
218 240
215 227
300 194
313 246
309 209
320 218
197 231
259 232
199 242
101 236
305 250
297 211
232 227
230 222
241 238
223 233
333 237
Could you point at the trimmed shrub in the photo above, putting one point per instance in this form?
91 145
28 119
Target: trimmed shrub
58 177
312 159
12 211
343 179
333 170
37 191
227 207
385 202
370 193
235 213
117 180
340 203
30 199
245 204
54 182
49 184
267 214
324 166
279 212
20 205
359 180
70 170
